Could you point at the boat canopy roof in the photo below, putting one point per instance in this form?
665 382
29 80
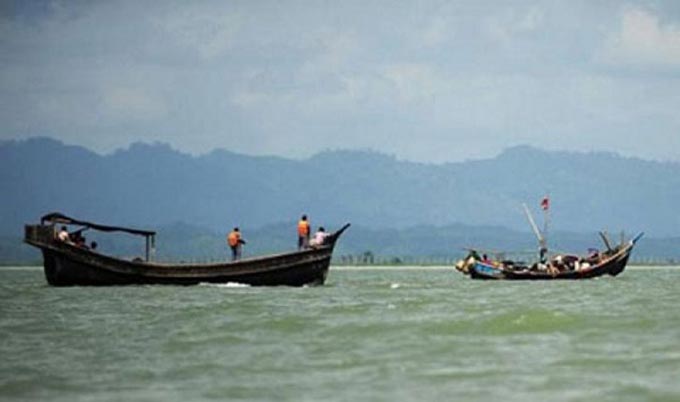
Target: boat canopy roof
56 217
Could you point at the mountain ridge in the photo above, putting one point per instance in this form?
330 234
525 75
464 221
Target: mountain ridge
154 184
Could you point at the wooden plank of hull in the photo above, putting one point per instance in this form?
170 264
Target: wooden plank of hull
485 271
84 268
620 266
66 266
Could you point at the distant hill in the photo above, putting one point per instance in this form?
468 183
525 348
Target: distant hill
155 185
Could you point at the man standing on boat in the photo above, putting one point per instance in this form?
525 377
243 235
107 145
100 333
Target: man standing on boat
235 243
303 233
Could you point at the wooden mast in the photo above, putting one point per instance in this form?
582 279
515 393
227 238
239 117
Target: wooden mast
543 249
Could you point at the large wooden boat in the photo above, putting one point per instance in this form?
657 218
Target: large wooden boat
67 264
611 262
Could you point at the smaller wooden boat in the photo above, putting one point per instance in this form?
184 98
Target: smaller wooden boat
611 262
66 264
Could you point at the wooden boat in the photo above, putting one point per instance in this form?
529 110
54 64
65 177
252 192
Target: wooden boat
611 262
66 264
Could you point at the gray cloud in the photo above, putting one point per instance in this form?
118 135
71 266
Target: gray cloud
428 81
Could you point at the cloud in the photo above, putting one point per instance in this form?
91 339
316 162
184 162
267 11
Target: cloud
507 26
643 40
130 104
210 33
291 78
437 32
413 81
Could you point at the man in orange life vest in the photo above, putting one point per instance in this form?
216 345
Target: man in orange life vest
235 242
303 233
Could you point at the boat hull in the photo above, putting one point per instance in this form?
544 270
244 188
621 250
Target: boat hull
612 265
67 269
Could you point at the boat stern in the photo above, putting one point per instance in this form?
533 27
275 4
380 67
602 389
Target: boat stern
38 235
480 270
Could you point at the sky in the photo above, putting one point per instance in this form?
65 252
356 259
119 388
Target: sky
427 81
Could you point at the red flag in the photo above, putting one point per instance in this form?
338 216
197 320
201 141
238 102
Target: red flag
545 203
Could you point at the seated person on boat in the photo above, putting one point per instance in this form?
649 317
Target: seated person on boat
319 238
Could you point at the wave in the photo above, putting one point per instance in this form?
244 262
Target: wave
225 285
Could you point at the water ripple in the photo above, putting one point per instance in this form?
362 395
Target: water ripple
403 335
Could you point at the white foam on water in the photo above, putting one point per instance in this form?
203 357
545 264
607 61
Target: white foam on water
395 286
27 268
225 285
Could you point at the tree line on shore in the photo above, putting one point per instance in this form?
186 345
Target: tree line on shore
423 245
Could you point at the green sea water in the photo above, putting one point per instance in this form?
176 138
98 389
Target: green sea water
368 335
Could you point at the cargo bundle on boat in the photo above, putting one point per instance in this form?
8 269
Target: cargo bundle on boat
67 264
